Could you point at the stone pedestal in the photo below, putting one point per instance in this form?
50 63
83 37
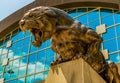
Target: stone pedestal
77 71
118 65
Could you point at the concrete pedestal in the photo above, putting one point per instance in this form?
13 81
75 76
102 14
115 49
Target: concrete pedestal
118 65
77 71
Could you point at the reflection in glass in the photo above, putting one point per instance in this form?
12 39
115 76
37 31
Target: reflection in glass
109 34
115 57
108 21
109 45
22 53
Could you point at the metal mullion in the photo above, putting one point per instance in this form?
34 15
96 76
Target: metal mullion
113 25
100 22
3 66
87 18
116 35
28 57
45 59
86 13
40 50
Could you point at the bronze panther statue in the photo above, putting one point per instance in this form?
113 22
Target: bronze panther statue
70 39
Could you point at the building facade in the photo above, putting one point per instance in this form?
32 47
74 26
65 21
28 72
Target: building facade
21 62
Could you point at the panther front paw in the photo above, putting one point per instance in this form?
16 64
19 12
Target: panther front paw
55 62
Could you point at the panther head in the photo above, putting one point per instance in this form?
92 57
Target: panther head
42 22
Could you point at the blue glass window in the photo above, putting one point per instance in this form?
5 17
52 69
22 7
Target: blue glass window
48 62
49 52
105 12
26 42
41 55
13 81
82 19
110 45
30 79
118 30
72 12
94 24
16 63
23 60
1 68
0 75
93 16
117 17
108 21
31 68
33 58
27 33
119 43
109 34
39 77
115 57
32 48
21 80
39 66
22 71
81 11
20 35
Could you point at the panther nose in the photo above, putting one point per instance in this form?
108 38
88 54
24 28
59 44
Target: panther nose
21 23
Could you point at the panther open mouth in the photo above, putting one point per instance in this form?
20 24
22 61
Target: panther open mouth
38 34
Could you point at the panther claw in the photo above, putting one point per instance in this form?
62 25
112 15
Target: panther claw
55 62
76 57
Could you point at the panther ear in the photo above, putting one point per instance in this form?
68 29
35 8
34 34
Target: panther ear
50 13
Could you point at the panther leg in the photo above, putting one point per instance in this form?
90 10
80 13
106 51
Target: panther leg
112 74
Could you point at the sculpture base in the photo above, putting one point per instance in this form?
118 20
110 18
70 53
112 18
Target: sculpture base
118 65
77 71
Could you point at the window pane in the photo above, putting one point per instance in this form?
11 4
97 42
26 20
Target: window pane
50 53
83 19
1 68
119 43
117 17
72 13
31 68
30 79
33 58
109 45
109 34
81 11
39 66
108 21
39 77
21 80
105 12
22 71
23 61
93 16
94 24
118 30
41 55
115 57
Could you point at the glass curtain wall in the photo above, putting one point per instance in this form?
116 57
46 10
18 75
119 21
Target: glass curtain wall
28 64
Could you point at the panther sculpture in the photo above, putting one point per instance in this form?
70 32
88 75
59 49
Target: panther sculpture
70 39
